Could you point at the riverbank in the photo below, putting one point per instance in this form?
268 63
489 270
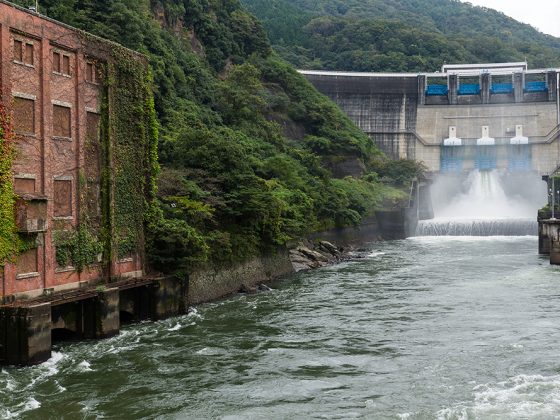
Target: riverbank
318 250
29 327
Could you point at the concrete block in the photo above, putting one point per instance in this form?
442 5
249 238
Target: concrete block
107 313
169 297
25 334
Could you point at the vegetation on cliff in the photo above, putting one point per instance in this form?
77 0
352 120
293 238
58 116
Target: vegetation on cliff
407 35
252 155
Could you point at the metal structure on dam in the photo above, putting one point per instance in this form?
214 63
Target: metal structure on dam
473 116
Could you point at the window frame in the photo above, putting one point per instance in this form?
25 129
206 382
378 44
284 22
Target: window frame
24 45
67 106
95 79
33 99
71 181
30 274
62 55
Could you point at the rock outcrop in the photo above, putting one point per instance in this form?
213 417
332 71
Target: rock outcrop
308 256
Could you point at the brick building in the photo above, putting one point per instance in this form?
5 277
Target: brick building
50 79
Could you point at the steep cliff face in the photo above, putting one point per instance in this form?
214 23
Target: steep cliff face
247 145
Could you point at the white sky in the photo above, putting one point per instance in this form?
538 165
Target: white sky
542 14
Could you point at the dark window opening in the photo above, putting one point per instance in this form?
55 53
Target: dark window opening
24 185
18 51
61 121
65 65
27 262
24 115
62 198
61 63
56 62
28 58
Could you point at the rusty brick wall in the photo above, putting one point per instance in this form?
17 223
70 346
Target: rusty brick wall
49 75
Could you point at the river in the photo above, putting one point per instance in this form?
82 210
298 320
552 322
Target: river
424 328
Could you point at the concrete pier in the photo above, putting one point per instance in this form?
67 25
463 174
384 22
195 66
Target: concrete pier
25 334
549 239
27 328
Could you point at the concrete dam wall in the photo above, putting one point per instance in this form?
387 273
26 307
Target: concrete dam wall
443 119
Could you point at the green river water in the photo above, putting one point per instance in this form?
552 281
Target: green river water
425 328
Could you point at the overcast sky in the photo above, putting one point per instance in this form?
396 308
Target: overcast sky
542 14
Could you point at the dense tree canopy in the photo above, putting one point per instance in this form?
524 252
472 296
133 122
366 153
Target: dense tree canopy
398 35
247 145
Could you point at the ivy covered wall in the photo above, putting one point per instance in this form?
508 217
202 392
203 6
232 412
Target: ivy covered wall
9 240
126 154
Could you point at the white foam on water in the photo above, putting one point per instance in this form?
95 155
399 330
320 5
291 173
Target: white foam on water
484 197
477 227
440 239
375 254
480 206
60 388
85 366
177 327
522 396
29 405
9 384
47 369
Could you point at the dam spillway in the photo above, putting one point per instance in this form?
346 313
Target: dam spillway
477 227
484 203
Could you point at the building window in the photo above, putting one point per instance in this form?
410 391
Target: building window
24 115
65 65
24 185
62 198
23 52
56 62
92 73
27 264
62 121
18 51
61 63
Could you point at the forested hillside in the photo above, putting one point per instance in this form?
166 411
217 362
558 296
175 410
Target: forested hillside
398 35
251 153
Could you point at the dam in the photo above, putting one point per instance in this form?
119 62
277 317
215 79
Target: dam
488 135
473 116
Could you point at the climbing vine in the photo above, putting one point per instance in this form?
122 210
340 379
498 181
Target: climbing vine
132 128
9 240
127 153
77 248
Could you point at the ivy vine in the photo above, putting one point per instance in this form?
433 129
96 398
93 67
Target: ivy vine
129 163
9 239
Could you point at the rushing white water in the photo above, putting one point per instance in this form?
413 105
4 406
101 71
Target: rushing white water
486 203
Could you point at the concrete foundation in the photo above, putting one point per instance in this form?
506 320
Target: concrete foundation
27 328
549 239
25 334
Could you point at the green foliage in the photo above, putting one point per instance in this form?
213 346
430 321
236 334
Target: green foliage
408 35
246 143
132 128
9 240
399 172
174 246
78 248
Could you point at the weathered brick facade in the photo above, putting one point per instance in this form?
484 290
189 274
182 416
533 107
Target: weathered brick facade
49 79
